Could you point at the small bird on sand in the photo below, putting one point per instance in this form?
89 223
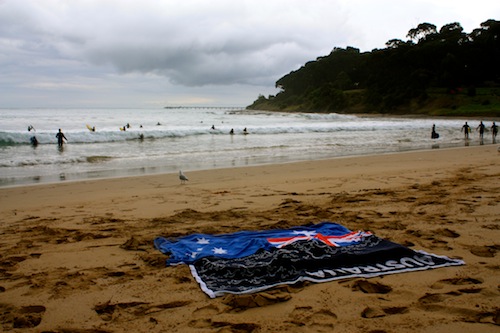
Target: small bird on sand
182 177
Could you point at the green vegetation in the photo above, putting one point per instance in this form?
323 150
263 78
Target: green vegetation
439 73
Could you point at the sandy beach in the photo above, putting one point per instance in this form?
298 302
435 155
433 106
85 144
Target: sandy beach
79 256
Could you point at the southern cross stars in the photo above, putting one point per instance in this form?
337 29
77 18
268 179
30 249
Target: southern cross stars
202 241
219 250
205 241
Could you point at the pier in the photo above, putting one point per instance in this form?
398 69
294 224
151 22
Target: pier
207 107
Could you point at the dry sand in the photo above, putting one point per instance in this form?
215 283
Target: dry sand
79 257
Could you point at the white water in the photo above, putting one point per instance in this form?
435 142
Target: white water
184 140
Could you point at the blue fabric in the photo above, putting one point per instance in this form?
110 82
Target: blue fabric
190 248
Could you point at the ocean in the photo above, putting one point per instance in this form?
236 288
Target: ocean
170 139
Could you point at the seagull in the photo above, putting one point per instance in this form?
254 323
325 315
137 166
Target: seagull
182 177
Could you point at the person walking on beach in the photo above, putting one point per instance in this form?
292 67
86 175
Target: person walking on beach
60 138
466 129
481 130
494 131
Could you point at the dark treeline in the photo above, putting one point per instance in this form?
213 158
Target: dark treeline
406 75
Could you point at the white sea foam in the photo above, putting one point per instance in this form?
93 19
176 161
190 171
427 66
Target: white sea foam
165 140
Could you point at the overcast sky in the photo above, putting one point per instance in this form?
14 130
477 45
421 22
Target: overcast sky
154 53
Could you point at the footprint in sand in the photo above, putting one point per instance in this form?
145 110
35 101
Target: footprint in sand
377 312
369 287
466 281
429 302
23 317
206 311
447 233
10 263
485 251
243 302
436 298
222 326
322 320
200 323
109 312
203 316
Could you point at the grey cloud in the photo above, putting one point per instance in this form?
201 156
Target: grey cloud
192 43
213 50
194 66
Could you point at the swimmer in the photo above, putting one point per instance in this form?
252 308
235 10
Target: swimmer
60 138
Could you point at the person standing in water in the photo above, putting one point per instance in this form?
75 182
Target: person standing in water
33 139
60 138
481 130
434 135
466 129
494 131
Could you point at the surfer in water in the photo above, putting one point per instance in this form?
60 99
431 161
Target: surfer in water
434 135
60 138
494 131
33 139
466 129
481 130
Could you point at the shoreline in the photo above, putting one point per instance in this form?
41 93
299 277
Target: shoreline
79 255
139 172
198 177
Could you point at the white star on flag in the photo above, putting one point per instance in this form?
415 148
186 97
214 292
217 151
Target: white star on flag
202 241
219 250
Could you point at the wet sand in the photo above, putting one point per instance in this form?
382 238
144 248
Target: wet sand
79 256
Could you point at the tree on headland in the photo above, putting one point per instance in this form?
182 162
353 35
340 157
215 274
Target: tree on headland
421 32
405 73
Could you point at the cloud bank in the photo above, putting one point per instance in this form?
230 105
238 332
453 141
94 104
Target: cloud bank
152 48
192 43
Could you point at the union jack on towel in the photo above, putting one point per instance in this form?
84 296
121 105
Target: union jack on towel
343 240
